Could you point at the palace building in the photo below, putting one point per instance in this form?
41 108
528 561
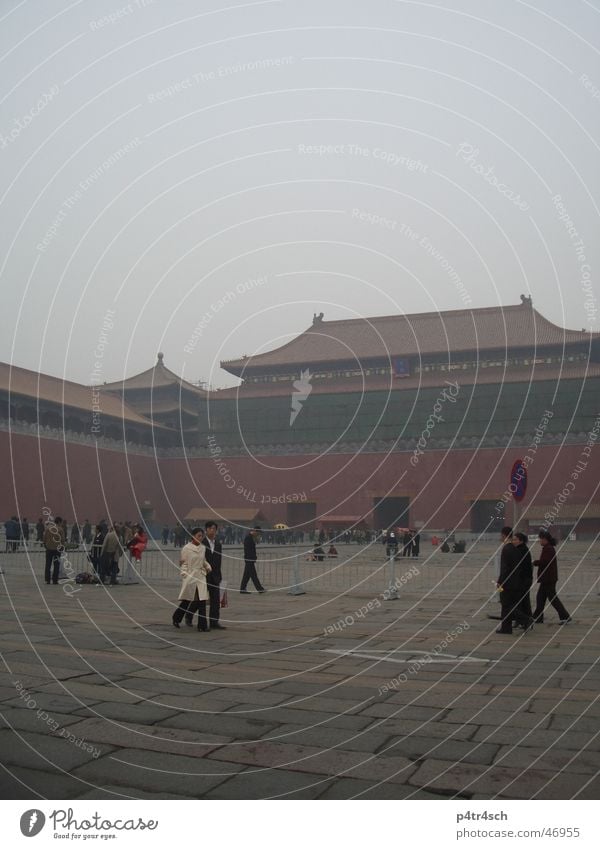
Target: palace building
414 420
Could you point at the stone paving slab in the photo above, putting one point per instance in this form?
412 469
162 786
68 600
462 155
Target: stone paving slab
157 772
28 720
554 759
44 751
20 783
326 737
271 784
511 782
334 762
419 747
141 712
354 788
240 728
538 737
152 738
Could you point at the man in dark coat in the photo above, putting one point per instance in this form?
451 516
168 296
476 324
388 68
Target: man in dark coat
525 573
510 583
250 562
214 555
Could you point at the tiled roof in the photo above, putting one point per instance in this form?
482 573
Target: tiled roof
231 515
63 393
153 378
419 334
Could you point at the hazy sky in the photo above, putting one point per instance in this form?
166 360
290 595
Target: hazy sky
232 168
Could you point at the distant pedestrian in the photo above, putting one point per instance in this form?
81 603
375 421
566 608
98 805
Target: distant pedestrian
416 543
137 544
250 558
520 541
96 550
54 543
214 554
406 544
510 586
12 530
39 530
390 540
165 535
194 590
87 532
547 579
109 556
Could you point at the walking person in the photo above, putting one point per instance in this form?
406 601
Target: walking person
525 567
416 543
194 569
213 553
547 579
510 585
406 544
54 543
250 562
214 556
109 556
96 550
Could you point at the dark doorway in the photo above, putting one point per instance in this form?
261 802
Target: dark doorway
301 515
485 517
390 512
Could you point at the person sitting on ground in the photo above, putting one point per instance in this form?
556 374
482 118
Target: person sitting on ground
332 551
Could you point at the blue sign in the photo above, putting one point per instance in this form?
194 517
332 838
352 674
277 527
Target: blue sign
518 480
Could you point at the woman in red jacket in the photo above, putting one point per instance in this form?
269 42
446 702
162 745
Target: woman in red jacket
138 543
547 579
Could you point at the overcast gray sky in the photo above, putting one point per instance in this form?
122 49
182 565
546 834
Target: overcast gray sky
232 168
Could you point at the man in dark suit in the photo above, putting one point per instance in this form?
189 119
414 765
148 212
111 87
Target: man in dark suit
510 583
214 554
250 562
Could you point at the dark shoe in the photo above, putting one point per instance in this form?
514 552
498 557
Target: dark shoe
218 625
502 631
565 621
245 592
176 624
48 582
189 622
200 628
262 590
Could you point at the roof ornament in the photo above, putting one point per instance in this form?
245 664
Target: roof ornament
161 357
526 301
317 319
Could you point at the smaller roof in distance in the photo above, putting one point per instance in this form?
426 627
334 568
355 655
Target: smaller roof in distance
244 516
153 378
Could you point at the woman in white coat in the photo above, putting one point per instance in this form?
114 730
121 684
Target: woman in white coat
194 569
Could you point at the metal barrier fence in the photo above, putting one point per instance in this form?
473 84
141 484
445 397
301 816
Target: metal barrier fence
361 571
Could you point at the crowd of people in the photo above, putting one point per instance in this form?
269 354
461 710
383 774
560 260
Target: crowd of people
106 546
407 542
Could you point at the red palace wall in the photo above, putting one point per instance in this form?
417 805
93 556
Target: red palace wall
73 480
76 481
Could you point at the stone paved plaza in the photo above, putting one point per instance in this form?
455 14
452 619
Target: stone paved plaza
319 696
